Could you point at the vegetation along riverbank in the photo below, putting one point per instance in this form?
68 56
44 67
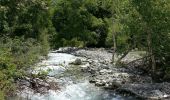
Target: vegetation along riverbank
119 45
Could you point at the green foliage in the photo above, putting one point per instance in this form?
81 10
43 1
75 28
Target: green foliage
156 18
23 17
2 95
7 71
82 20
27 26
16 56
24 31
137 18
73 42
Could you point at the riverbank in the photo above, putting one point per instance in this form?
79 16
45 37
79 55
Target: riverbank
122 79
75 68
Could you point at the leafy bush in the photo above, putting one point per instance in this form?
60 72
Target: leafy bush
16 56
24 28
73 42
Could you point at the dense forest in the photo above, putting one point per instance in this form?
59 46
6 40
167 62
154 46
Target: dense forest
30 28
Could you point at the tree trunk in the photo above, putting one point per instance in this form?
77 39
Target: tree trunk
124 55
114 50
150 50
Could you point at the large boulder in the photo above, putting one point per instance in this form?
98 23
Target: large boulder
77 62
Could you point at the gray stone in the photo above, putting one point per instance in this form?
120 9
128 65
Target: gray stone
105 71
149 91
78 61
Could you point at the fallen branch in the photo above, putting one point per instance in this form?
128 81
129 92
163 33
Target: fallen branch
124 55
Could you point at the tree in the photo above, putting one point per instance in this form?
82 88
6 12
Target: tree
120 35
85 21
144 25
24 28
155 15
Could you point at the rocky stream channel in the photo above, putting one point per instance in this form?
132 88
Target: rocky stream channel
87 74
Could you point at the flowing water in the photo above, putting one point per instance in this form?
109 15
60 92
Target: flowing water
74 84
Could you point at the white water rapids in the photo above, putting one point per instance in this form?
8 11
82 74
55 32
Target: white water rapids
71 90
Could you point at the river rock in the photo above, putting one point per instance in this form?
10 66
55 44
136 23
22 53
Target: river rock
77 62
155 91
105 71
102 73
100 83
66 50
115 84
38 83
95 54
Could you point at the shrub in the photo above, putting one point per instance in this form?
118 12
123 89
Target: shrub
16 56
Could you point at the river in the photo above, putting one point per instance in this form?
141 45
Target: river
74 84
